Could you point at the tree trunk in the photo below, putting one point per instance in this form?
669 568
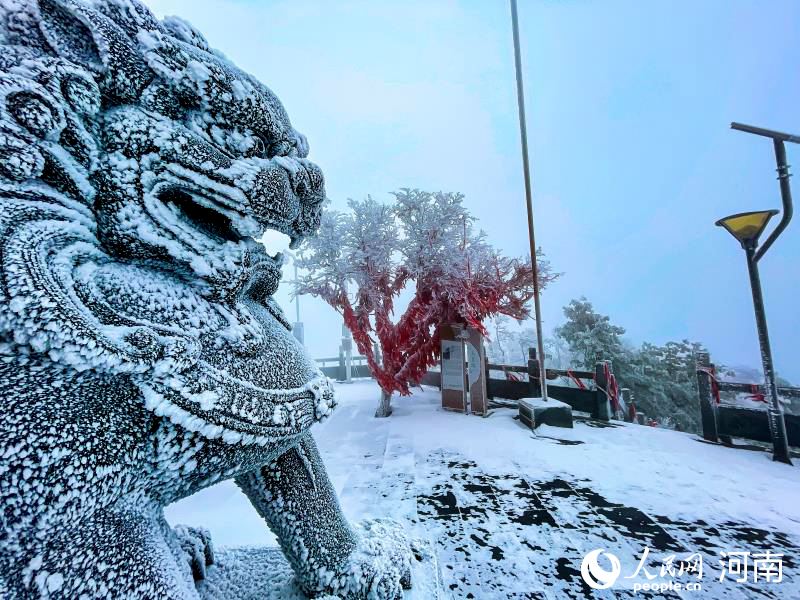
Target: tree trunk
385 406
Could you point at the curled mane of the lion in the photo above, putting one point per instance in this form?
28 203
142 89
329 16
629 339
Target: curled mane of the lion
106 147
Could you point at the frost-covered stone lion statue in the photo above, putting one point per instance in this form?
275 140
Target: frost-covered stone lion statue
142 356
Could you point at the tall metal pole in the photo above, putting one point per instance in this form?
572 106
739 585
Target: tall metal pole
777 426
527 173
297 297
297 328
786 196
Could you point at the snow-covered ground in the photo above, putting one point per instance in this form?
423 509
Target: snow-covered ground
512 513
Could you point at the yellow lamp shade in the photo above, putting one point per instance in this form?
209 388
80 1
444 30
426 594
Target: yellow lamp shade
747 226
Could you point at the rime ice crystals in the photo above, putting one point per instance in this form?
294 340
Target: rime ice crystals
142 356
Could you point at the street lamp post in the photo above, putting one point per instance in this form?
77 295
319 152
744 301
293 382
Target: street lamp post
747 228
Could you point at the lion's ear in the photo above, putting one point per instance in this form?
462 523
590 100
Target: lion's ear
69 32
92 40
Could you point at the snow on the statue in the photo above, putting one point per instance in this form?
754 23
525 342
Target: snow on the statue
142 355
510 511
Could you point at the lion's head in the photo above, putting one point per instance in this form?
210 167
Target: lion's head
137 165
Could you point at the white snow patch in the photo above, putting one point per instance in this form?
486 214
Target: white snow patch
657 470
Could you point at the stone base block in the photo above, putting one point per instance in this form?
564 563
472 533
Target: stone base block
535 411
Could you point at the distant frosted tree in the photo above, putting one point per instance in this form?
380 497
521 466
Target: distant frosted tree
557 353
590 335
662 378
364 258
500 346
508 343
664 381
508 340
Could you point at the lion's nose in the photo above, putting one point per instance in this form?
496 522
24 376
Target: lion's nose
285 190
294 144
307 180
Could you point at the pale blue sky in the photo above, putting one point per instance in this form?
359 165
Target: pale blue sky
628 103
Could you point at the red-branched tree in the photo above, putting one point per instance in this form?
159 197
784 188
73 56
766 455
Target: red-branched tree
361 262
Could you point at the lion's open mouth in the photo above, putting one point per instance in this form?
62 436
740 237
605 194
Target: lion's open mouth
211 223
200 216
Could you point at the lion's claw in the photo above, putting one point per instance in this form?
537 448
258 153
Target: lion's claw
197 549
379 567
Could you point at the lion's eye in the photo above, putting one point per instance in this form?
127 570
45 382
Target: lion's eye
282 148
259 148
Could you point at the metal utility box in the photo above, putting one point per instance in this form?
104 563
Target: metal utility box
463 372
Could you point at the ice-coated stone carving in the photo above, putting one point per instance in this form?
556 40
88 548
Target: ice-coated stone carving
142 357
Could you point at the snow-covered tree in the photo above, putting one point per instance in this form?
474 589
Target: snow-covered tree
363 259
557 353
662 378
664 381
508 342
590 335
500 346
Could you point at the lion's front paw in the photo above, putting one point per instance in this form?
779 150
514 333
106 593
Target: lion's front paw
197 549
379 567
